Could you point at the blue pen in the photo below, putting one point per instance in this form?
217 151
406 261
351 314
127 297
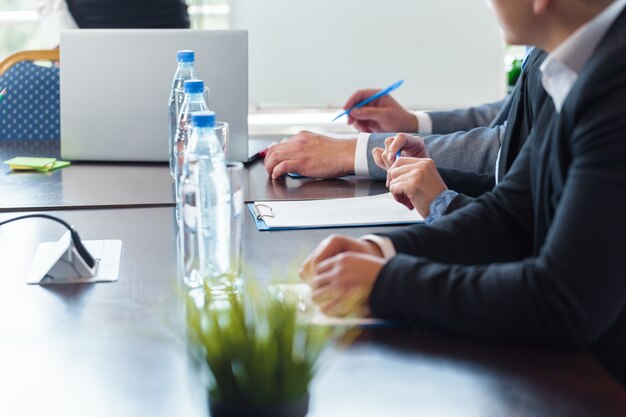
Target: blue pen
372 98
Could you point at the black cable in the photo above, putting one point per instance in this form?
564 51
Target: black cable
82 251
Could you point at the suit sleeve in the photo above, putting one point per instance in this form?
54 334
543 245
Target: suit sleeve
462 120
472 184
458 202
476 150
476 272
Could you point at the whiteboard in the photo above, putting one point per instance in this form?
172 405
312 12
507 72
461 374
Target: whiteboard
318 52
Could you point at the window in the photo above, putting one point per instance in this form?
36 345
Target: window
19 28
209 14
18 25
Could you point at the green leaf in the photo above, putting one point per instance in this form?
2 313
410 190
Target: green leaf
257 348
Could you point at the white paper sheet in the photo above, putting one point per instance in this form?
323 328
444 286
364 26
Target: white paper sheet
379 209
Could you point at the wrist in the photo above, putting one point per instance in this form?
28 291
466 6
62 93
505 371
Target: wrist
435 193
374 249
381 246
410 123
414 123
347 153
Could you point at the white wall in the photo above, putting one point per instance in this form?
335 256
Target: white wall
317 52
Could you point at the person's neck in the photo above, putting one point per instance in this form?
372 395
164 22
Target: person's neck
566 18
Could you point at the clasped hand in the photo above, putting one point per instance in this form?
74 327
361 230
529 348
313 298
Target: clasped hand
413 179
341 272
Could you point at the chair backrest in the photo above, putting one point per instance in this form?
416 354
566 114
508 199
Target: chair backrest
31 108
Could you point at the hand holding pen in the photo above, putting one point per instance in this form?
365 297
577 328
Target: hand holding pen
382 114
400 145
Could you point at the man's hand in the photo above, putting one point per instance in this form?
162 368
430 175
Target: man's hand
342 272
334 245
415 183
412 146
311 155
384 114
342 284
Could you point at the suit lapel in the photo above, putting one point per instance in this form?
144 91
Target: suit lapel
521 116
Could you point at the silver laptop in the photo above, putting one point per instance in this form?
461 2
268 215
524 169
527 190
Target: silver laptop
115 86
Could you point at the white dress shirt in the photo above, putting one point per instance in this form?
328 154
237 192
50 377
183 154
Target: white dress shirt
55 17
561 68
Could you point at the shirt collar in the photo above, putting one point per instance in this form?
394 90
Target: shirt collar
561 68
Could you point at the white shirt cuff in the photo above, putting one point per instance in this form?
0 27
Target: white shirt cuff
424 123
360 155
53 24
384 244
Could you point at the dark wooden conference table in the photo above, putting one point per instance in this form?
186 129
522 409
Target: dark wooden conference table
117 349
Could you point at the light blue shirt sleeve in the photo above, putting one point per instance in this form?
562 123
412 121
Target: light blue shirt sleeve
439 205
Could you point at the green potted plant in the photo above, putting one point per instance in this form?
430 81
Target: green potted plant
260 352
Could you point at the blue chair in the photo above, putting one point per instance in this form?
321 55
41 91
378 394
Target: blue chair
31 108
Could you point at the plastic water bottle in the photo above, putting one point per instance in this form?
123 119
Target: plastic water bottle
193 102
184 72
205 197
188 242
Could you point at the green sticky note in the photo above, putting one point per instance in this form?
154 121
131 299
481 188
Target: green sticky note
25 162
55 165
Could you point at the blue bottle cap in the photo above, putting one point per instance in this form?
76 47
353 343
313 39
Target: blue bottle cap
185 55
203 119
194 86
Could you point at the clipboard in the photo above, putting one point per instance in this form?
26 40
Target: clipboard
376 210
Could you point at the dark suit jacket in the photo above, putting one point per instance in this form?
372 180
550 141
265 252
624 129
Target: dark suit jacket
542 258
130 14
527 97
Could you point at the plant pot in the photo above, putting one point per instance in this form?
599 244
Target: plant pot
297 408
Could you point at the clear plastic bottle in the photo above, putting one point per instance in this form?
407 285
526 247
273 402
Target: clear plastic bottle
188 249
184 72
193 102
205 197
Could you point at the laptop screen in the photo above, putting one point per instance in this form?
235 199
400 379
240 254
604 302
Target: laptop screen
115 85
